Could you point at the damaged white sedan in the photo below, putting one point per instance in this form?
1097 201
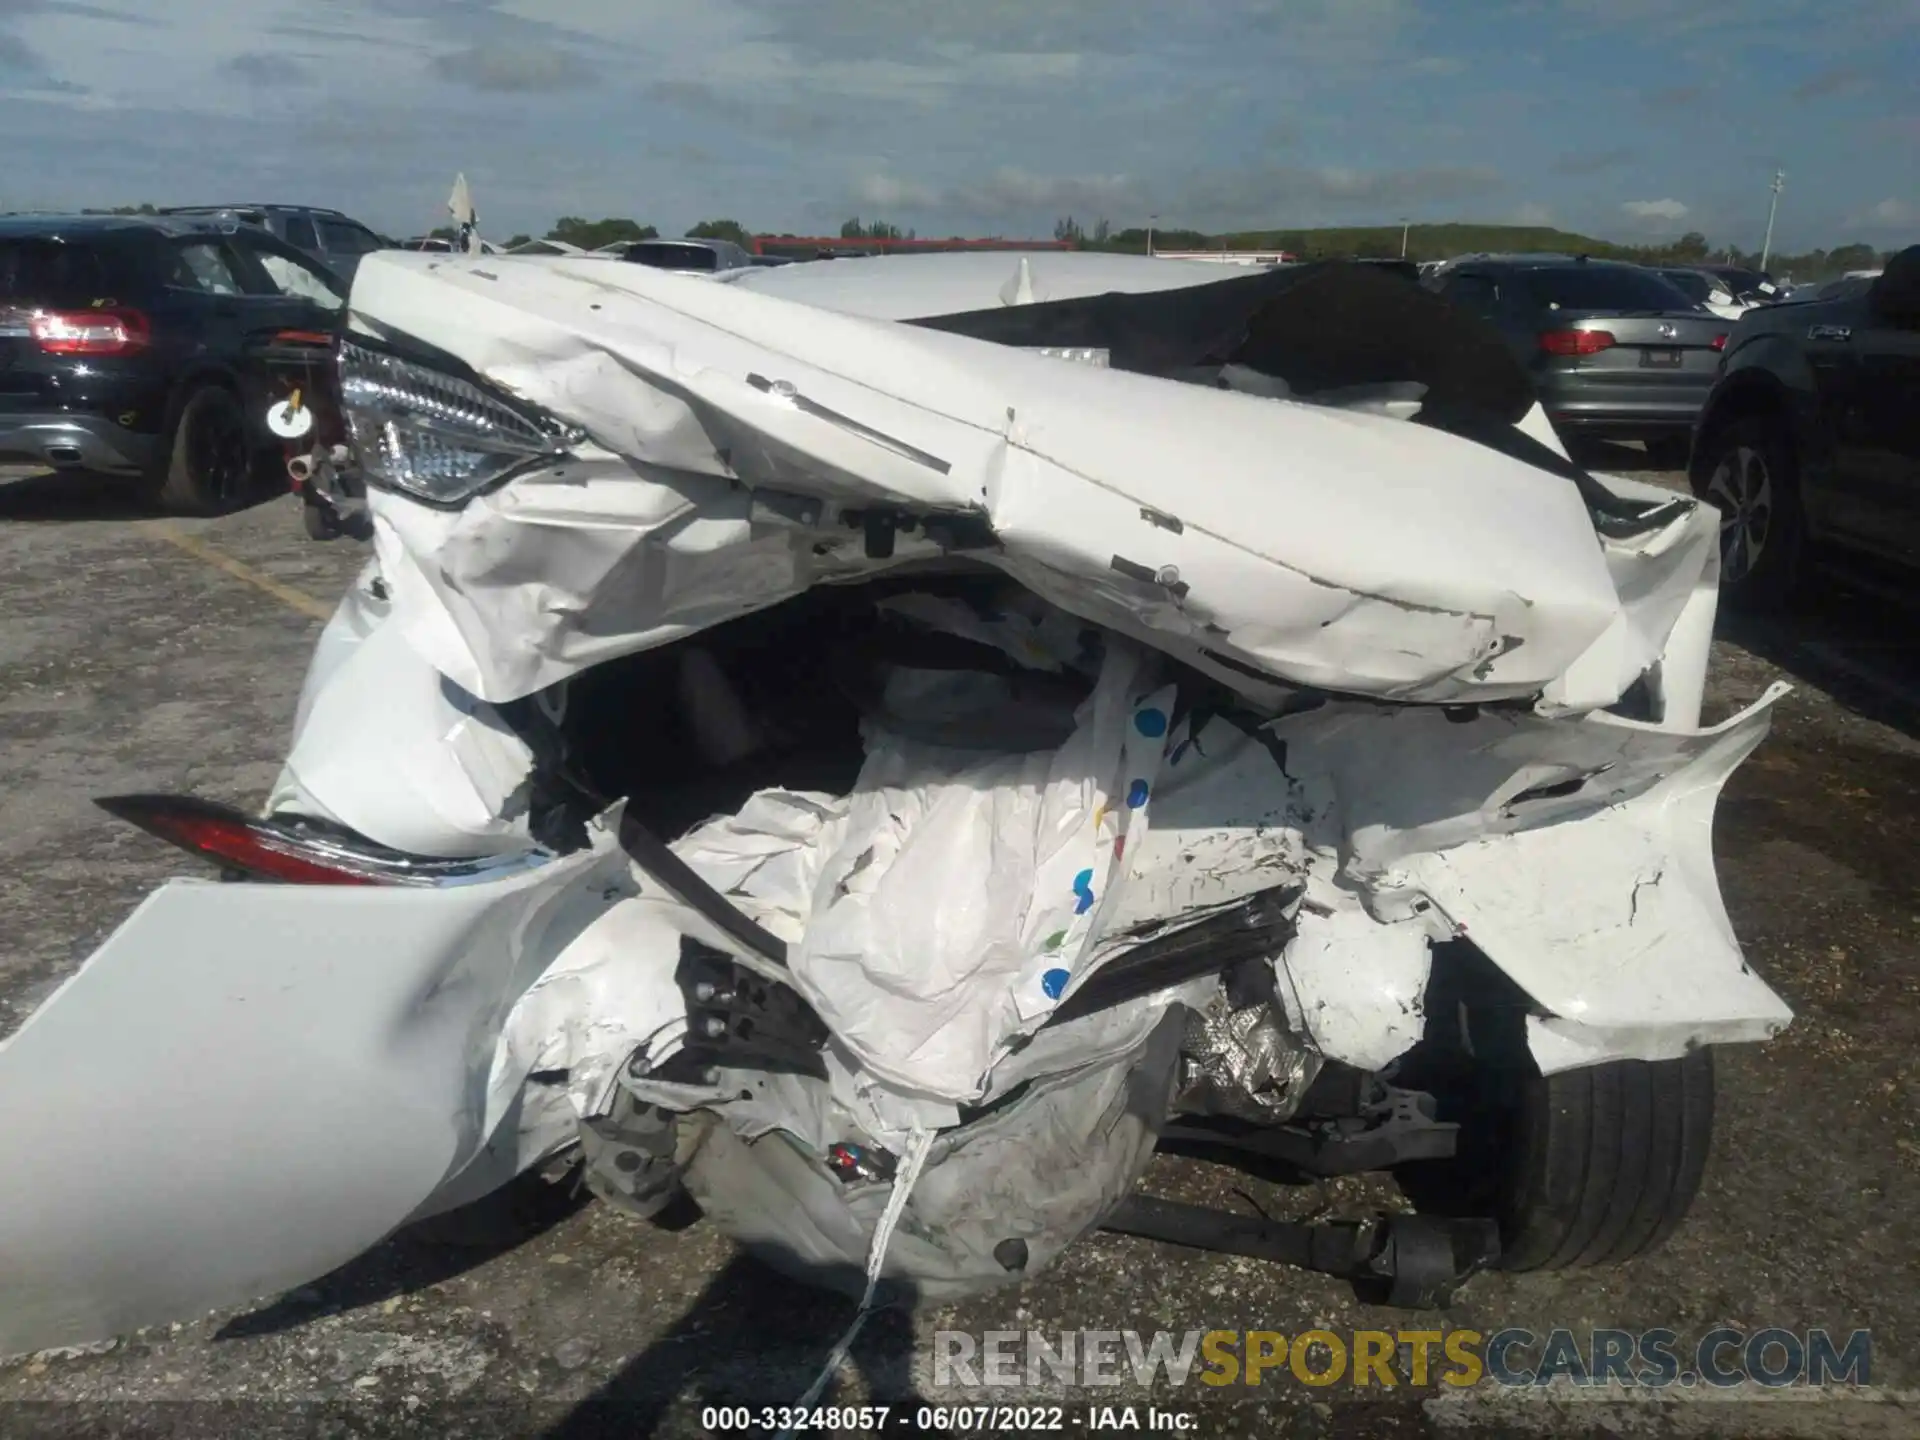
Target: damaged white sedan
880 763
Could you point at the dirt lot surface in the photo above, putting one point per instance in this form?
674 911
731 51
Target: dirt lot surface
147 655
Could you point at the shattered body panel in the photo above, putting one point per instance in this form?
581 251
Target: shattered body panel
1378 558
1323 668
290 1073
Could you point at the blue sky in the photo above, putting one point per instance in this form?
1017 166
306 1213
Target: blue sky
1625 119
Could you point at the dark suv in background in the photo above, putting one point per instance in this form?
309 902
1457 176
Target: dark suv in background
1615 351
147 347
1809 445
335 240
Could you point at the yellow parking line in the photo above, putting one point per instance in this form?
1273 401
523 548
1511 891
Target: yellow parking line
227 565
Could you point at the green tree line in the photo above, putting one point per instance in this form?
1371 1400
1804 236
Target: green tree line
1423 242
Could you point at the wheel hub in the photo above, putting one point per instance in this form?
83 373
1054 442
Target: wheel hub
1741 488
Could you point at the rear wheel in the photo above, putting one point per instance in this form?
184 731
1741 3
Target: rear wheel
1588 1167
1605 1162
1748 472
209 465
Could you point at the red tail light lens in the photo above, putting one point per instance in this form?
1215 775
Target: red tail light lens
1576 342
89 332
230 839
1719 342
292 851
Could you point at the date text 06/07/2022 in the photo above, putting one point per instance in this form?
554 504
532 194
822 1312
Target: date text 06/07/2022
1003 1419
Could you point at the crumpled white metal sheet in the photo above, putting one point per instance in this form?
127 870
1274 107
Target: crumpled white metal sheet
1342 550
430 770
940 911
1576 854
913 287
293 1072
248 1085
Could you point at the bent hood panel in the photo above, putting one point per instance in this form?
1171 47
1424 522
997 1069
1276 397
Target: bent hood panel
1325 547
248 1085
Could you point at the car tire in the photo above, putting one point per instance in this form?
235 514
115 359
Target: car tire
1749 472
209 465
1592 1166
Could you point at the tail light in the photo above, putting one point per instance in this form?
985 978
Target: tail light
1719 342
89 332
294 852
1576 342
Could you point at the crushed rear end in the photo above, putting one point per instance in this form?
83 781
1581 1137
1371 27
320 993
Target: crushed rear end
888 774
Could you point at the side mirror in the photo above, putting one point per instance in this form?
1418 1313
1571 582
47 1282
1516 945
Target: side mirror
1895 295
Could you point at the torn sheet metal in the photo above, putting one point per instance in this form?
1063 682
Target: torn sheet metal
430 769
1669 583
1576 855
1613 925
280 1075
937 915
918 912
1540 840
1334 549
1357 986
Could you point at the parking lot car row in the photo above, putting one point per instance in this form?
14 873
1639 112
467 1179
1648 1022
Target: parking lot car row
151 348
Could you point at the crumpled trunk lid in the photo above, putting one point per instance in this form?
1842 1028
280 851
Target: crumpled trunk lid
741 445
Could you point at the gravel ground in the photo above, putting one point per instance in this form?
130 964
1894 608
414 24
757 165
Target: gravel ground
136 656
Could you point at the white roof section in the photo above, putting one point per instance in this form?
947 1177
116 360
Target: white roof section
915 287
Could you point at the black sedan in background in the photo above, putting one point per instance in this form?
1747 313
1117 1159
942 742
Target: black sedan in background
145 347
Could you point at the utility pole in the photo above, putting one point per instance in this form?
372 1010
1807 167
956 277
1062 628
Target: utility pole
1403 237
1150 220
1766 246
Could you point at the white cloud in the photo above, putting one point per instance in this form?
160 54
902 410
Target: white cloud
1891 213
128 53
953 116
1655 209
1533 213
889 192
